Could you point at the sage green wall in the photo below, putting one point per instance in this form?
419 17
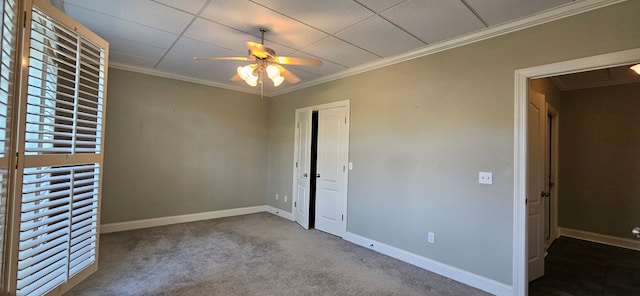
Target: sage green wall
599 160
173 148
422 130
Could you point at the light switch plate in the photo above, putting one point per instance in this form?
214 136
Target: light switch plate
485 178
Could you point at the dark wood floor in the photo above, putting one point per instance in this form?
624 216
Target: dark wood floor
577 267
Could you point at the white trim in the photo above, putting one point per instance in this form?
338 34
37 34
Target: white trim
280 213
520 283
564 11
463 276
600 238
161 221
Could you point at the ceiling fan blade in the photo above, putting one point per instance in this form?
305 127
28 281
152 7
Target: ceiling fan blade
236 78
221 58
288 76
297 61
258 50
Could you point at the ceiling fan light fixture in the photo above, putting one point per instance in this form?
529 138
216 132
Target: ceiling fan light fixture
636 68
273 72
277 81
252 80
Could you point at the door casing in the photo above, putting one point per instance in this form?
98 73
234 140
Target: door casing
521 102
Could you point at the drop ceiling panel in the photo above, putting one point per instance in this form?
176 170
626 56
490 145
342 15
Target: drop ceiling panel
380 5
249 17
192 48
219 35
499 11
329 16
124 29
340 52
129 60
133 48
434 20
142 12
380 37
191 6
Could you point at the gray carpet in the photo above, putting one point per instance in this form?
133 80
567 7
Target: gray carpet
258 254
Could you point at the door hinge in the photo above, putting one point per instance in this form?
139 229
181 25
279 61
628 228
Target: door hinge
298 124
345 120
342 217
343 169
296 164
17 156
295 204
24 19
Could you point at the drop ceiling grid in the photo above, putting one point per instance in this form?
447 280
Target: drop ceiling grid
344 34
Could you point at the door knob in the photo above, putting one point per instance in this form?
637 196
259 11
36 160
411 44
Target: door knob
545 194
636 232
318 175
305 175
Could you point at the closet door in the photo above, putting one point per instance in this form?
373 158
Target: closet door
60 144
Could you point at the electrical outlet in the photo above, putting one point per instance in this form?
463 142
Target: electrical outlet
485 178
285 198
276 196
431 238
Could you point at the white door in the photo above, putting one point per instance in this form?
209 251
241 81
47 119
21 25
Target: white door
331 174
536 180
303 164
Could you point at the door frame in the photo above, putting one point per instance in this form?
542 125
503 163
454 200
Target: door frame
521 101
294 197
555 156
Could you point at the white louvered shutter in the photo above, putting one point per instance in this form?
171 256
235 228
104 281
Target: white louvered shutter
8 54
63 121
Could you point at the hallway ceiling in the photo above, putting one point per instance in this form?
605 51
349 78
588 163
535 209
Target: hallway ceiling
596 78
163 36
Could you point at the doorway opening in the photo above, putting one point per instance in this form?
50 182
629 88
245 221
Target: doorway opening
522 79
313 169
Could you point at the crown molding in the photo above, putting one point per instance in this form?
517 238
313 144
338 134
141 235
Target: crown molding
163 74
564 11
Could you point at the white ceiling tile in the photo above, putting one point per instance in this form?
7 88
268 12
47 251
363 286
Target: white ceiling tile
380 37
434 20
380 5
499 11
143 12
100 23
133 48
219 35
329 16
192 47
340 52
250 17
120 58
191 6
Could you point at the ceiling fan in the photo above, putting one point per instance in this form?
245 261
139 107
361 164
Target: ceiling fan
265 62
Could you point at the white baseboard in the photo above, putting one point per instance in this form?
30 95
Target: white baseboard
465 277
600 238
280 213
161 221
